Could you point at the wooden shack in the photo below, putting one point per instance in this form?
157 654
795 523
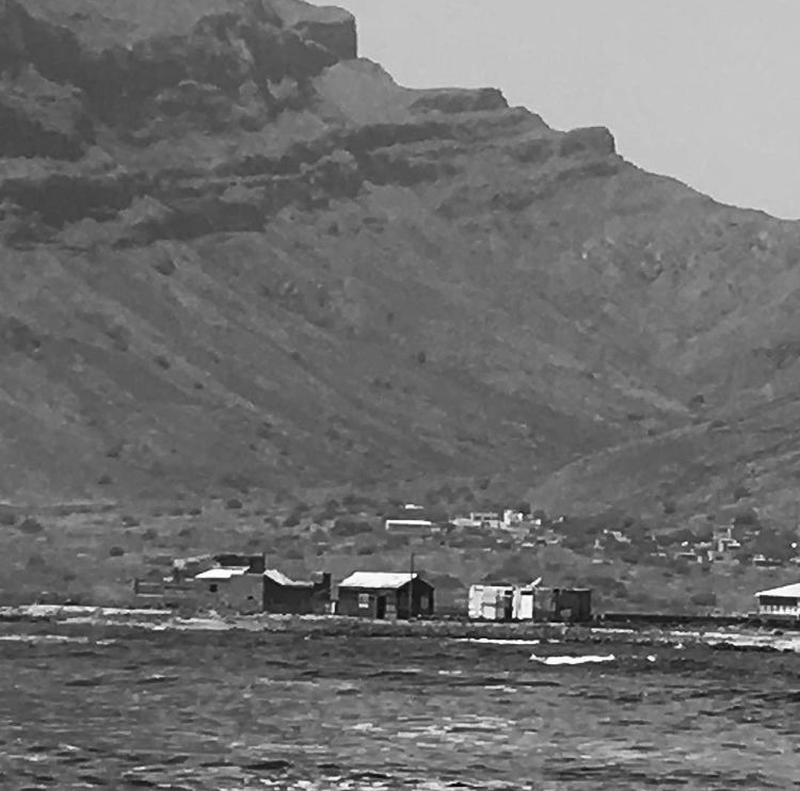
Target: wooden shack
377 594
285 595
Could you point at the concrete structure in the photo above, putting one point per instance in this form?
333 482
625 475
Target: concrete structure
409 525
376 594
501 602
781 602
284 595
233 588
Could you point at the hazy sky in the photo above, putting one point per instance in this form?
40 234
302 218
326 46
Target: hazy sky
707 91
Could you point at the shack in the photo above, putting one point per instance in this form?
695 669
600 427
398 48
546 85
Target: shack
571 604
783 602
284 595
378 594
501 602
235 584
229 588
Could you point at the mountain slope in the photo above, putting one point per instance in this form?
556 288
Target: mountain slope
235 252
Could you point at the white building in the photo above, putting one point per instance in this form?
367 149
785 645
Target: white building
783 601
499 602
409 525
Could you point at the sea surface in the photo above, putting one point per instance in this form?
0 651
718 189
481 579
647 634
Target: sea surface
135 708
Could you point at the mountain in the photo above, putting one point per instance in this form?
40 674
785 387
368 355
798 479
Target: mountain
235 254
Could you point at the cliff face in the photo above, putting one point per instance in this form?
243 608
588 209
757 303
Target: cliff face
234 251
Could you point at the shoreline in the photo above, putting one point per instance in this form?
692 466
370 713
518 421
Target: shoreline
738 636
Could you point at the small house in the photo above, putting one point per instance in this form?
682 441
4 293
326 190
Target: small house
377 594
409 526
571 604
501 602
284 595
781 602
234 588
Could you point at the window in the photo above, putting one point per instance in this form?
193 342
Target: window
363 601
212 587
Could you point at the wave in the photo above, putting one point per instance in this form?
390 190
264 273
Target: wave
497 641
572 660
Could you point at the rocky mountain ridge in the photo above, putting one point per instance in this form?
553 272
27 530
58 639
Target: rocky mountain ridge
236 254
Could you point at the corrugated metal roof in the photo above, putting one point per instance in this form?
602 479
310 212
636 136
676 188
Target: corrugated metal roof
278 576
376 579
225 573
789 591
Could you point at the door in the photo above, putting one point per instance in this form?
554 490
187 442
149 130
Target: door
380 607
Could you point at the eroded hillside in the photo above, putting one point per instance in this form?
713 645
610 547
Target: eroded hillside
235 251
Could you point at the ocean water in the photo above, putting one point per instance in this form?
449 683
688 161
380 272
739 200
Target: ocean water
133 708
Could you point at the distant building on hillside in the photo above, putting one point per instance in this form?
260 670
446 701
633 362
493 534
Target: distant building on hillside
409 525
377 594
780 602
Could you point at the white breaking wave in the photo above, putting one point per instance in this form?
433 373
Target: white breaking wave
496 641
572 660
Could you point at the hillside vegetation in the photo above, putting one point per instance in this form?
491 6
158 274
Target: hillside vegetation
236 256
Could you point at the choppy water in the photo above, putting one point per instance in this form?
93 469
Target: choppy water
234 710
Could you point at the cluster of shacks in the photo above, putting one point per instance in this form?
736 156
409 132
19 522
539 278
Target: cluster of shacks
243 584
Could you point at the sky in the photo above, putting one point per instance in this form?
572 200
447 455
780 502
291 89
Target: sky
707 91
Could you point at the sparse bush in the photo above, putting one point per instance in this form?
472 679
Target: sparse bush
704 599
741 492
151 534
35 561
8 518
367 549
31 526
194 511
130 521
292 520
104 480
116 552
177 511
233 503
344 527
293 553
162 362
669 507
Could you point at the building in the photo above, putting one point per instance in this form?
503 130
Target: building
242 584
781 602
501 602
409 525
571 604
377 594
234 588
284 595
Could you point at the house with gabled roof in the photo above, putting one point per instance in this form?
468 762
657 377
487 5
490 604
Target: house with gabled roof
381 594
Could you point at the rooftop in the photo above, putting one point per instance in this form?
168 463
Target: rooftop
376 579
225 573
789 591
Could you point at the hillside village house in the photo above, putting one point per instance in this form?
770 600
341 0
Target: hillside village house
410 526
379 594
298 597
781 602
494 520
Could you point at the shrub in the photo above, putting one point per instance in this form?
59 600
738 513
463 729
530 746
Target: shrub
8 518
704 599
292 520
194 511
350 527
30 525
150 534
104 480
233 503
367 549
162 362
116 552
130 521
